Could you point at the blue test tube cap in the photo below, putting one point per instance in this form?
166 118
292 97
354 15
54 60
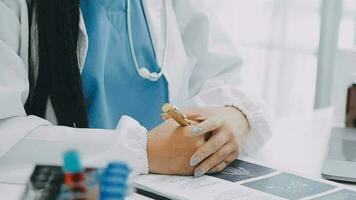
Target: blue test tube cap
114 179
116 173
72 162
118 168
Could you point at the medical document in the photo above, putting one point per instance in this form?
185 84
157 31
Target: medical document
242 180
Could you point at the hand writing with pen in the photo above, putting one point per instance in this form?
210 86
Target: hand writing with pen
211 143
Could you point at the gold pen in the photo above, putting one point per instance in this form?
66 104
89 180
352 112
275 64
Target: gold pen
175 114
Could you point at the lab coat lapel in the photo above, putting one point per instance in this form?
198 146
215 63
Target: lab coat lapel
83 42
176 58
153 12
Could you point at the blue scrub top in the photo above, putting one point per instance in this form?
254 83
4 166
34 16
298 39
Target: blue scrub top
111 84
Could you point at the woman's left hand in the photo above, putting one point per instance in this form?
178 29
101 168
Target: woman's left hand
229 130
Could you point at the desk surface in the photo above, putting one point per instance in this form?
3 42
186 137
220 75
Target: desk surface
298 145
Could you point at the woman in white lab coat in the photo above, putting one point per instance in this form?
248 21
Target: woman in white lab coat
56 68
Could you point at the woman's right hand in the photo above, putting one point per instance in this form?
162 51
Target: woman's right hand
170 147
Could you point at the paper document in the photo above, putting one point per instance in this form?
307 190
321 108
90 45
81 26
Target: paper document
241 180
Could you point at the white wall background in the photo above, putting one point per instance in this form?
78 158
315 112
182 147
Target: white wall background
278 40
344 66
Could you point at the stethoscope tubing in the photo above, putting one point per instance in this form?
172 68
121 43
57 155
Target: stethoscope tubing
152 76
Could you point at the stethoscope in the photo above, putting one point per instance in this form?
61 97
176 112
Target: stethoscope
144 72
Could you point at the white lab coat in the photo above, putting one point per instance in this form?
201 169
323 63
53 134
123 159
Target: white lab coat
202 69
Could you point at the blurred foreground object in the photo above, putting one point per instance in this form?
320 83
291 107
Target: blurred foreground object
74 182
351 107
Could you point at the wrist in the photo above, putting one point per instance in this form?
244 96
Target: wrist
241 114
241 124
156 151
150 153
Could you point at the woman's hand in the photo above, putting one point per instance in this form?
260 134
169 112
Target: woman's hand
170 147
229 130
228 127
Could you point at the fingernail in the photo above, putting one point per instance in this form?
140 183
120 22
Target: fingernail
196 130
198 173
195 160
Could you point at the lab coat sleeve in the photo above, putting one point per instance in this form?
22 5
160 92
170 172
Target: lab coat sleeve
215 80
30 139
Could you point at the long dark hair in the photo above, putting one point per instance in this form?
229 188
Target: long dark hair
58 73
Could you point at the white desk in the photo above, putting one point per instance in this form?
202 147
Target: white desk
298 145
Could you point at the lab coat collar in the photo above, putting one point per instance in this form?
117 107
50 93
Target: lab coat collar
153 12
